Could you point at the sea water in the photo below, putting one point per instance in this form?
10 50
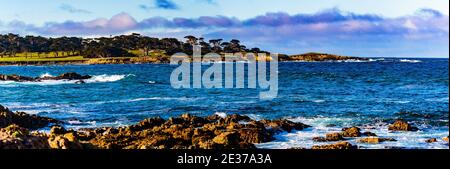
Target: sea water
325 95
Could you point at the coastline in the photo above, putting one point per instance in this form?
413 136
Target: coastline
19 131
307 57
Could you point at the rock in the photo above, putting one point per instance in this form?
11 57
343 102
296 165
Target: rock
431 140
375 140
71 76
340 145
368 134
24 120
284 125
15 137
319 139
351 132
60 138
147 124
15 78
334 137
255 135
57 130
445 139
401 125
65 76
228 139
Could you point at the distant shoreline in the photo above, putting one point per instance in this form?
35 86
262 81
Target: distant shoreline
307 57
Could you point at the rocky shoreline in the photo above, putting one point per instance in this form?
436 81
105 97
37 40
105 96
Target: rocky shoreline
185 132
306 57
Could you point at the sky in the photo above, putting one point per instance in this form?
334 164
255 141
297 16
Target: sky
370 28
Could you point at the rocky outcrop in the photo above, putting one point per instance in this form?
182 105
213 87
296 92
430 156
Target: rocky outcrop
65 76
401 125
15 137
339 145
23 120
185 132
313 56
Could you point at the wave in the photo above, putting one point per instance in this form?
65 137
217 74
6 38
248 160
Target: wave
409 61
94 79
46 75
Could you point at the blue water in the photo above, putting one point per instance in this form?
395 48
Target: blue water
367 94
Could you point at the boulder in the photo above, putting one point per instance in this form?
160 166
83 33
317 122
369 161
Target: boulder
401 125
445 139
334 137
351 132
431 140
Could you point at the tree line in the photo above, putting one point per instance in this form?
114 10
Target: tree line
113 46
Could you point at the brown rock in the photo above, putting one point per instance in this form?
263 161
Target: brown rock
255 135
15 137
431 140
66 141
57 130
319 139
351 132
334 137
445 139
340 145
401 125
227 139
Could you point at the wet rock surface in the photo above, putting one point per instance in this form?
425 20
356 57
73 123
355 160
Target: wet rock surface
22 119
401 125
15 137
65 76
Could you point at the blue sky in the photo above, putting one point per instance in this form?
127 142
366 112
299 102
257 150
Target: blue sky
384 28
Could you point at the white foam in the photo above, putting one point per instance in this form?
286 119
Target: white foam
46 75
304 138
94 79
221 114
410 61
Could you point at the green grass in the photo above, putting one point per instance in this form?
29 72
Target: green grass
50 57
41 59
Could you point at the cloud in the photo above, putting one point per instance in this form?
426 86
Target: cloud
330 30
159 4
165 4
119 23
71 9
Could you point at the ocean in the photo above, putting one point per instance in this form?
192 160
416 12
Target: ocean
325 95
